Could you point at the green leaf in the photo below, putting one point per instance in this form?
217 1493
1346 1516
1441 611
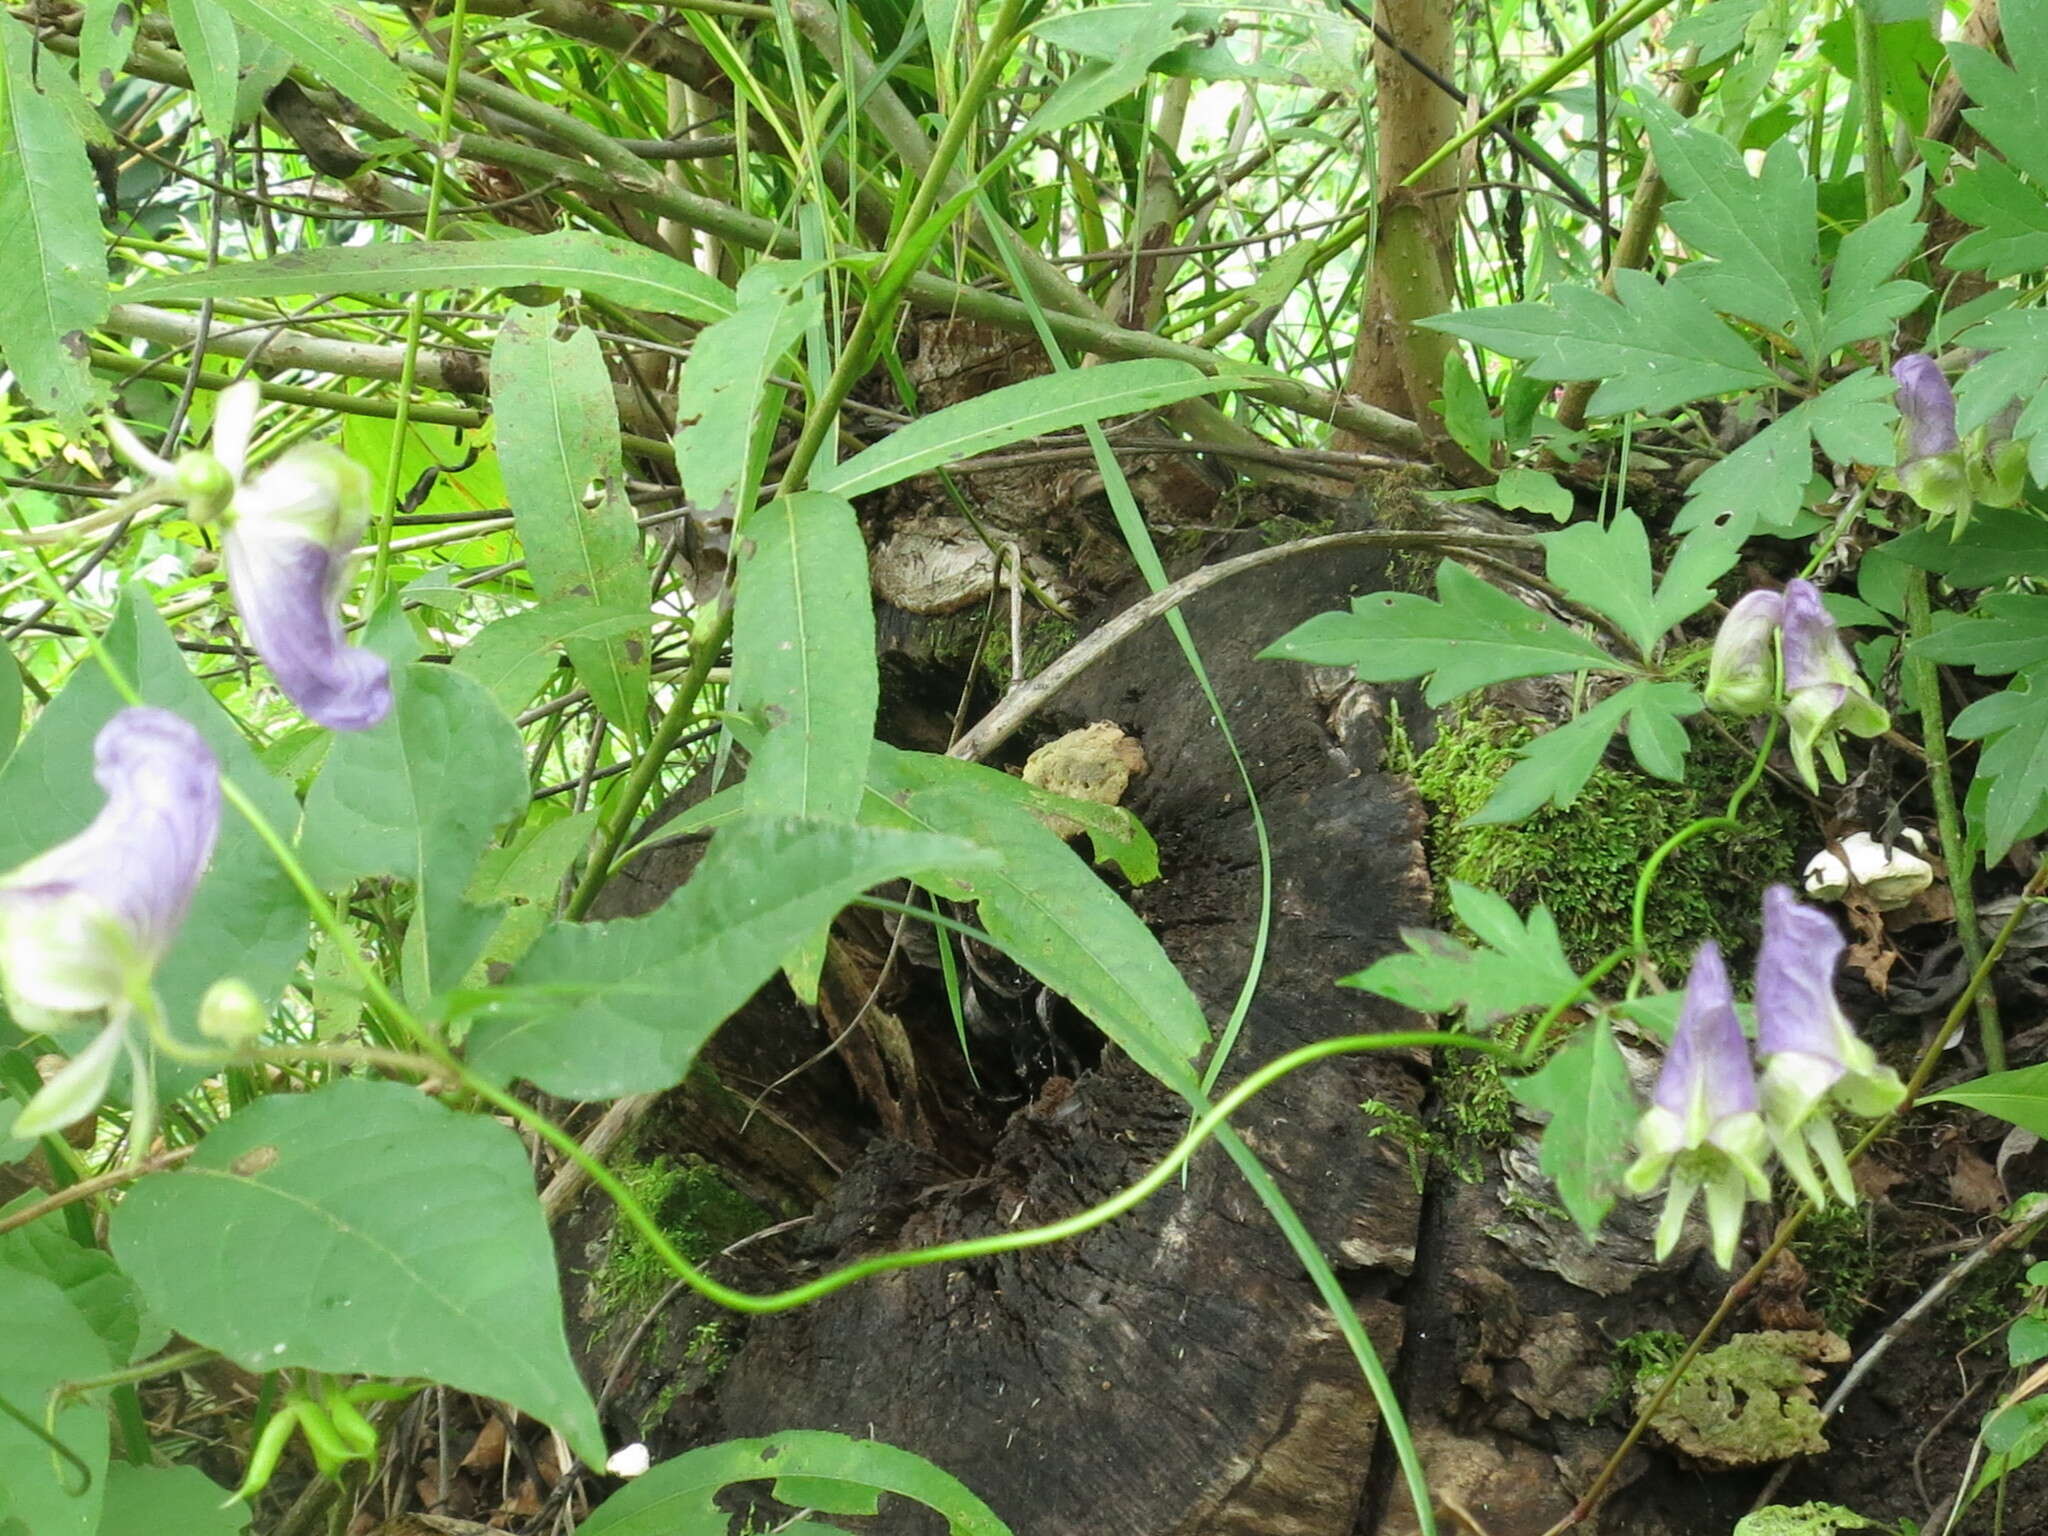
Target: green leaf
168 1501
803 645
213 57
1473 636
1531 490
47 1343
1053 916
557 431
363 1229
1554 767
1114 834
90 1281
2011 234
1656 345
11 693
2005 632
601 268
725 385
2027 1340
331 38
525 879
1517 966
804 656
1764 481
419 797
1999 544
1585 1091
106 33
1120 44
1754 235
2010 100
52 217
1864 300
2014 727
600 1009
245 920
513 656
2020 1096
2015 371
810 1469
1608 569
1013 413
2014 1436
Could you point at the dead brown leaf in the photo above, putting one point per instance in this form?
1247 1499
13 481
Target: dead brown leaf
1973 1183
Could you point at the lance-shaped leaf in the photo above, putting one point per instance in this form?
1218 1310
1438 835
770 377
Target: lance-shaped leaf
58 288
557 432
600 1009
332 39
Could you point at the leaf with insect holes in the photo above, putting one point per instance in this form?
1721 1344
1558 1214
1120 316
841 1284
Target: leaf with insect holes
1516 966
1472 636
1766 479
1585 1090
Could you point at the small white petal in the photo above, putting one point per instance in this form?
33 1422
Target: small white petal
76 1089
234 424
629 1462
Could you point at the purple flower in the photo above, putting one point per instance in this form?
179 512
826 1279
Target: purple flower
289 540
83 925
1742 677
1824 693
290 532
1927 405
1813 1059
1702 1126
1931 466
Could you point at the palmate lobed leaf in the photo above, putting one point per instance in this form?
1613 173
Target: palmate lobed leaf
1472 636
1517 966
1654 345
363 1229
2013 725
1586 1092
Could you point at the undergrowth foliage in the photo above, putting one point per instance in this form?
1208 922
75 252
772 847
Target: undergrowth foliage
432 434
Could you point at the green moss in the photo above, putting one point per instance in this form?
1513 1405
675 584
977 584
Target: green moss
1582 862
697 1211
1749 1402
1839 1251
1474 1114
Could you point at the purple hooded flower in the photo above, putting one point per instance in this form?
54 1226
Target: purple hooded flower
1931 463
1702 1126
83 925
289 540
1813 1058
1742 677
290 532
1824 693
1927 405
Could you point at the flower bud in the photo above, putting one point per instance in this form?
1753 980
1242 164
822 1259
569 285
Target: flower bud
232 1014
1742 677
